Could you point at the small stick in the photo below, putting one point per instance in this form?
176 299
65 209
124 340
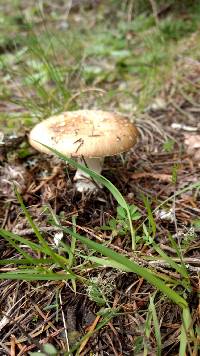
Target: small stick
178 126
65 325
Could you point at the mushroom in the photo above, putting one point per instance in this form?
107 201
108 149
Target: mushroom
89 136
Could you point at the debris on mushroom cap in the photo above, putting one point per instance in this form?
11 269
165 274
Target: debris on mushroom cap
89 133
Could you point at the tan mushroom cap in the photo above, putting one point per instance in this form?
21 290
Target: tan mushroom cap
89 133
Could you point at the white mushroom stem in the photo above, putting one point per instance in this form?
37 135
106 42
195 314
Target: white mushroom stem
83 181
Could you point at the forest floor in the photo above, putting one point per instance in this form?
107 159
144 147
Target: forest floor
146 66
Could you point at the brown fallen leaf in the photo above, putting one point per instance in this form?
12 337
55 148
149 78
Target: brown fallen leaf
12 345
90 330
192 143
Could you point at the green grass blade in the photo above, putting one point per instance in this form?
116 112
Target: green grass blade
169 260
186 331
32 245
110 263
29 218
132 266
147 332
106 317
181 191
114 191
150 214
73 243
17 248
34 275
156 326
26 261
179 253
60 260
107 263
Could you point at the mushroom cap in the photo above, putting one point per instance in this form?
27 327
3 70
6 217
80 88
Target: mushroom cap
89 133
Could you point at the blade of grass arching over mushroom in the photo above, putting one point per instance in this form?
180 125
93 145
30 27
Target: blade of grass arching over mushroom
102 180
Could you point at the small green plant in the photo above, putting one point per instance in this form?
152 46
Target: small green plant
94 293
168 145
147 236
175 173
196 223
101 289
176 28
119 226
187 238
48 350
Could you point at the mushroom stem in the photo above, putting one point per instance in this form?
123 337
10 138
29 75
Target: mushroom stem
83 181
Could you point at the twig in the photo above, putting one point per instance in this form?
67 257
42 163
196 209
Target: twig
5 320
161 263
101 91
12 345
178 126
183 112
28 336
64 323
25 232
160 176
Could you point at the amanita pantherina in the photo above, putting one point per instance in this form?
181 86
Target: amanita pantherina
88 135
